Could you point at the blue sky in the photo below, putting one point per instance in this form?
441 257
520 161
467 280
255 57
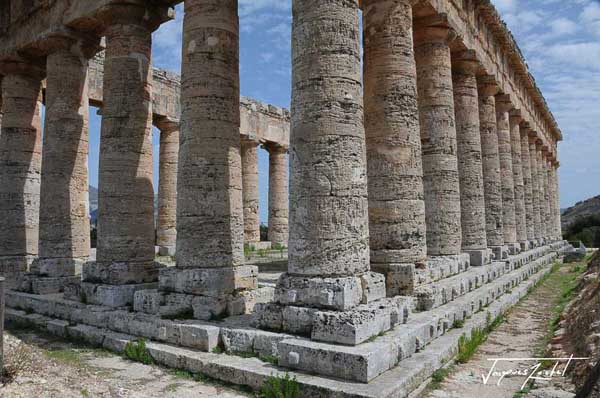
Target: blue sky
560 40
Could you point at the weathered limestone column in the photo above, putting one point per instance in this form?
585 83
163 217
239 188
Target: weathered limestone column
250 190
503 106
519 183
393 136
278 195
64 241
20 168
329 234
551 198
438 139
528 184
548 224
472 200
2 301
542 184
492 182
210 220
125 252
536 189
557 215
166 222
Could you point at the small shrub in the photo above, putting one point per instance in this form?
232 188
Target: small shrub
458 323
280 387
137 351
17 360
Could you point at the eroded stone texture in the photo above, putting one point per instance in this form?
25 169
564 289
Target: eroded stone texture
503 106
541 178
125 191
528 184
210 226
547 195
20 167
250 190
64 210
491 162
520 217
466 104
535 184
395 171
438 139
328 194
557 214
278 195
166 222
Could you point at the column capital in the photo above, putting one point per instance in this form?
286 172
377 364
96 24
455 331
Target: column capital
167 125
363 4
516 117
465 62
503 103
19 66
68 40
273 147
149 16
433 29
487 85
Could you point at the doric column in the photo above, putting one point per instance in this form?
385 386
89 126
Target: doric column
557 215
503 106
64 209
438 138
210 218
548 223
20 168
541 178
492 182
535 184
527 183
250 190
125 251
166 222
519 183
278 195
472 200
329 234
395 171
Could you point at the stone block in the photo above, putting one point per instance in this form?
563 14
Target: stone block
238 340
480 258
168 251
89 334
52 285
298 320
110 295
212 282
57 267
373 287
116 342
242 302
340 293
354 326
209 308
201 337
266 343
148 301
500 252
270 316
121 273
57 327
399 278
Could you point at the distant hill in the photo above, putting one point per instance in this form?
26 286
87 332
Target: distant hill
584 208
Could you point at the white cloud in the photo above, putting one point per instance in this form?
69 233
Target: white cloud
590 17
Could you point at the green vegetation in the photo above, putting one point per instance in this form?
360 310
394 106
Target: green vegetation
137 351
467 346
438 377
458 323
280 387
585 229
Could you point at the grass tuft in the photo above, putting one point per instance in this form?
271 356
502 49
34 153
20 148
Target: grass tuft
137 351
280 387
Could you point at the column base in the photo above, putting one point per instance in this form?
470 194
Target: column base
525 246
480 257
125 273
58 267
115 296
12 268
514 248
36 284
500 252
166 251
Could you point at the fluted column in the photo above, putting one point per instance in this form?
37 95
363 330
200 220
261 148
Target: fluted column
503 106
64 209
395 171
438 138
548 223
278 195
541 177
557 215
250 190
125 252
166 221
528 184
519 183
535 183
492 182
472 200
20 168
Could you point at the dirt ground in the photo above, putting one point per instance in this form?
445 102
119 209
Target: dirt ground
52 368
521 335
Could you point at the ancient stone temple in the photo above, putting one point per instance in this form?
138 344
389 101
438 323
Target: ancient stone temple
423 195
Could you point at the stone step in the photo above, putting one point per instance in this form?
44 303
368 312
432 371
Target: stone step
399 381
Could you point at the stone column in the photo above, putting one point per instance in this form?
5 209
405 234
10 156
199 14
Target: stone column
548 224
278 195
557 215
329 236
472 200
535 183
519 183
395 171
64 244
541 177
503 106
438 139
250 190
492 182
125 252
528 184
20 168
2 288
166 222
210 219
